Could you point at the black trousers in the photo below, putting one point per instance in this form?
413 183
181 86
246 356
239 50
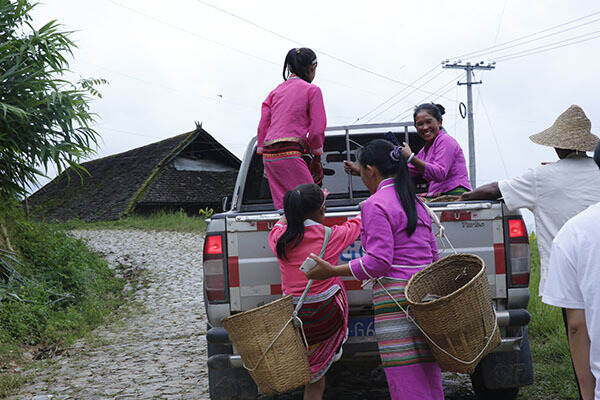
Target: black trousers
564 314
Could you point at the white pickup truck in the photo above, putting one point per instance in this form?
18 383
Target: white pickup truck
241 272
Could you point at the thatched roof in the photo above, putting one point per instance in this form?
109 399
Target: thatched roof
114 186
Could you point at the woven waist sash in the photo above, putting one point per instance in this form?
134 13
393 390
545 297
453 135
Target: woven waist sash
283 150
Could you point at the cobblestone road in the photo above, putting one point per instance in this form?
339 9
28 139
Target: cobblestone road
158 349
156 352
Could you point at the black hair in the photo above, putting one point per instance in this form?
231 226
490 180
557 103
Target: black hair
298 61
597 155
435 110
378 153
298 204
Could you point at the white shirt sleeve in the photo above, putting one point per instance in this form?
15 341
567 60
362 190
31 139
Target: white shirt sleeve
562 286
520 192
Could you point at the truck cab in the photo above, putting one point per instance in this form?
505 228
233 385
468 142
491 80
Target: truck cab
241 272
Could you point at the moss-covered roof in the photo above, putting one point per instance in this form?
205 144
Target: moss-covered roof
114 185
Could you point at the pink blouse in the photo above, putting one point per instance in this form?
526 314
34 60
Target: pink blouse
389 249
291 110
445 165
293 281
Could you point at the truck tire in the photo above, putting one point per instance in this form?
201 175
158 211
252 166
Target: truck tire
499 375
229 383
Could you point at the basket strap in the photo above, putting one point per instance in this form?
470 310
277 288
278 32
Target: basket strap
295 319
442 231
432 341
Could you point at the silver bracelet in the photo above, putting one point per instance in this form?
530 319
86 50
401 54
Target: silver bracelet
412 155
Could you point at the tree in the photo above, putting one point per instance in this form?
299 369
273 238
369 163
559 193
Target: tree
44 118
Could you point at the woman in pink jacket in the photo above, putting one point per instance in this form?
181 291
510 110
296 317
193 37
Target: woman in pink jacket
292 125
398 240
324 313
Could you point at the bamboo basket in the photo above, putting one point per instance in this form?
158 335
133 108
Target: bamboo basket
270 346
461 326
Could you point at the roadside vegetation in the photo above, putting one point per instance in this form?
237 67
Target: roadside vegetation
159 221
554 378
53 290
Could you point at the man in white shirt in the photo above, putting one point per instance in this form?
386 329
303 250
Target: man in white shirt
556 191
574 283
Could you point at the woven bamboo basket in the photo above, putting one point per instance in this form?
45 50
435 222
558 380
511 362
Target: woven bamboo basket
462 322
267 330
444 198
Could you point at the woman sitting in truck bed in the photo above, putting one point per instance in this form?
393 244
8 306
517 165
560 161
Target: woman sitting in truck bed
324 314
291 110
398 240
441 161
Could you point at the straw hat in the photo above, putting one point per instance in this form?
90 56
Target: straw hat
571 131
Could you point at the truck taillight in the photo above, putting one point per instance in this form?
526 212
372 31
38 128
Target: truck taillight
518 272
215 284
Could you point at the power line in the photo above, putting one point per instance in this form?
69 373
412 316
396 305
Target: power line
542 49
404 97
500 22
480 98
407 111
537 39
398 93
332 56
527 36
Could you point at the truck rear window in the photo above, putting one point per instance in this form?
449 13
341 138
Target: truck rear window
256 190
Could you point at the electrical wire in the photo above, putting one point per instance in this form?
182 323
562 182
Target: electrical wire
397 93
536 39
545 48
473 53
480 98
407 111
404 97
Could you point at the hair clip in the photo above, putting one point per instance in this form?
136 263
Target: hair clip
396 153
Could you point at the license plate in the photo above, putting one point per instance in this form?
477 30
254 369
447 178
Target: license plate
364 326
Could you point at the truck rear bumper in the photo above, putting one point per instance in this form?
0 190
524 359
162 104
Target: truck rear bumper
506 318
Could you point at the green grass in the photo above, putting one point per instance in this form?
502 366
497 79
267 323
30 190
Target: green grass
66 291
554 377
160 221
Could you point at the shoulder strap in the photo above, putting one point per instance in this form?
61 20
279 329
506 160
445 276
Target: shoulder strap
328 232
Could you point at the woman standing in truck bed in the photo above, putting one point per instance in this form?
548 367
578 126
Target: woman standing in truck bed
398 240
291 110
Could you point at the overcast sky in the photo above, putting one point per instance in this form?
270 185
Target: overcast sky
170 63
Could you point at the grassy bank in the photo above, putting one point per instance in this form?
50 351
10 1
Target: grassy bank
53 290
160 221
554 378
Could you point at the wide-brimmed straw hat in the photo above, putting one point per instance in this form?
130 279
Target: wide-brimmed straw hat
571 131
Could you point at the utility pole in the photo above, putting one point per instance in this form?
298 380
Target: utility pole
468 67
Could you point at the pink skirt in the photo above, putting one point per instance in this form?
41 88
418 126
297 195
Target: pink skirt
285 171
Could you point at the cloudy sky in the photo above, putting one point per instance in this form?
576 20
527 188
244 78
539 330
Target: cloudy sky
172 63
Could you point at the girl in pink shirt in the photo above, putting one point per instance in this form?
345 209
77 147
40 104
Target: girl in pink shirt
325 311
291 131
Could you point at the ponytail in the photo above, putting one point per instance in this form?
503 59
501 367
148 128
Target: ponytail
389 160
298 61
297 205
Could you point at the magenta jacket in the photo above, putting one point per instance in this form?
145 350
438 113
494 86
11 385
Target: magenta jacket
291 110
445 165
384 238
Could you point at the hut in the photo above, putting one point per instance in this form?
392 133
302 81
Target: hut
187 172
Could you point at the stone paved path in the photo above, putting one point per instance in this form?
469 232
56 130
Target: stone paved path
158 351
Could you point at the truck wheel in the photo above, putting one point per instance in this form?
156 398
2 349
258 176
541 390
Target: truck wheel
483 393
229 383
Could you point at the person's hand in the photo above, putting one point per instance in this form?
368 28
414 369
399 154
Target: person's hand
351 168
316 169
465 196
323 269
406 150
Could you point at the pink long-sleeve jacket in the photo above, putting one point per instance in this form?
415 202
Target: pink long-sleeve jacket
290 111
385 240
445 165
293 281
